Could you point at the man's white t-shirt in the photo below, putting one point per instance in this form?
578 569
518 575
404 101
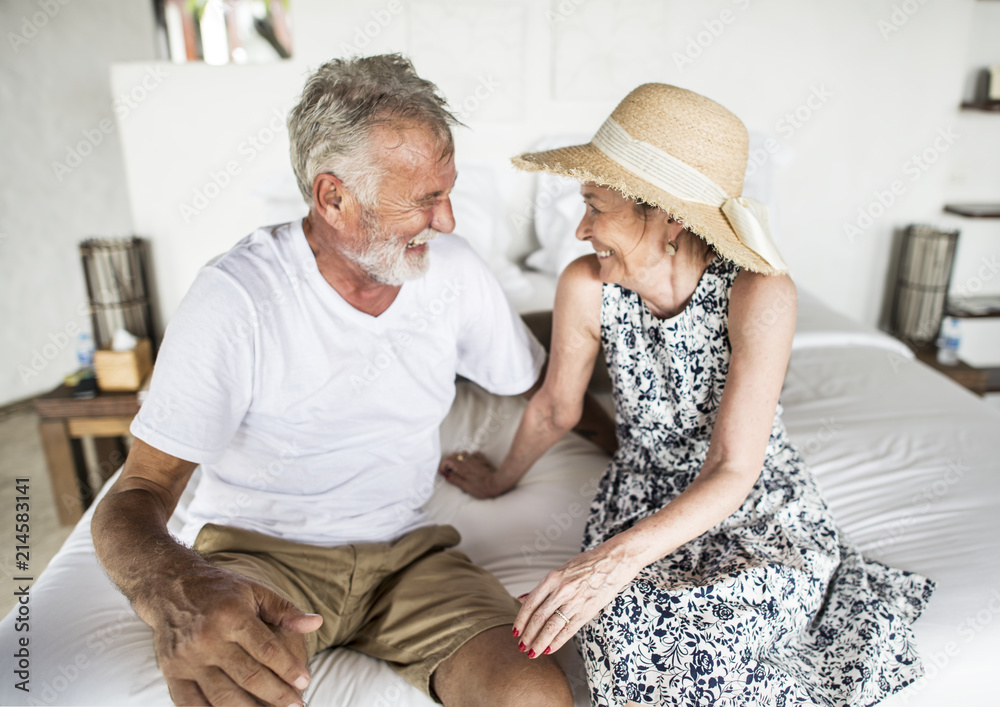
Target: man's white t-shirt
313 421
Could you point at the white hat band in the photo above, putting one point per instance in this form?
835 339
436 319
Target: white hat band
748 217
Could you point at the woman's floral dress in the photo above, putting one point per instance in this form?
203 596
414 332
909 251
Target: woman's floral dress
773 606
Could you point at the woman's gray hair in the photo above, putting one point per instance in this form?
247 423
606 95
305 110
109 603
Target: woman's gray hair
330 129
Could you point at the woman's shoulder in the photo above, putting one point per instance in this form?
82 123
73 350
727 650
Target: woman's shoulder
762 301
580 290
756 285
582 277
584 269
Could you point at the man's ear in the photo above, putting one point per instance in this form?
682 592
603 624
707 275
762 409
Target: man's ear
331 200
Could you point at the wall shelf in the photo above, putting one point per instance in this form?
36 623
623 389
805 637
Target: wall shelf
974 210
986 107
979 380
973 307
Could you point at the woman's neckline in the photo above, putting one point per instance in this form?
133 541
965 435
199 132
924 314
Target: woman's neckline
687 304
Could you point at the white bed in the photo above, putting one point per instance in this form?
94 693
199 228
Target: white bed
909 462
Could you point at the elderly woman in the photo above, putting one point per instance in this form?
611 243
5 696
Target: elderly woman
712 571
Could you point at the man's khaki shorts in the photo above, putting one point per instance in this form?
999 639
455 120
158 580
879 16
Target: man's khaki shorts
412 602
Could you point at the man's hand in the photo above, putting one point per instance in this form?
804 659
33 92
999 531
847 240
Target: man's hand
473 473
222 639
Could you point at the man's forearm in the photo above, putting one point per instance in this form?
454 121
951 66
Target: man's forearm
199 612
136 549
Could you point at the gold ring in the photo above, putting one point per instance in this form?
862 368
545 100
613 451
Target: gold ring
460 457
562 616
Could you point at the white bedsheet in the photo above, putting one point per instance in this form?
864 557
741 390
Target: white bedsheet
909 462
910 465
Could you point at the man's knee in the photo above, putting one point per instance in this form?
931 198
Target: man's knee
489 670
542 684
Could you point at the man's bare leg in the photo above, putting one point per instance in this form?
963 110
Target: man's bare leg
489 671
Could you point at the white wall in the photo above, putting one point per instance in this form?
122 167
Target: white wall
886 98
891 83
54 90
975 177
893 80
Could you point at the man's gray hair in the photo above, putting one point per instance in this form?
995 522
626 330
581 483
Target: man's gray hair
330 129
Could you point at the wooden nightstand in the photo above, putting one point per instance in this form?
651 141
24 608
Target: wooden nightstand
62 423
975 379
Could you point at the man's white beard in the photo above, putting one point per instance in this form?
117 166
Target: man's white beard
382 257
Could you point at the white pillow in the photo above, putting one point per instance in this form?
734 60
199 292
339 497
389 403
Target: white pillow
558 208
478 201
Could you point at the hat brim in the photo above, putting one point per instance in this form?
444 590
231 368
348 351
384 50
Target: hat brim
588 164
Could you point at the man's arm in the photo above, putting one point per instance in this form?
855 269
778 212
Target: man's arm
219 637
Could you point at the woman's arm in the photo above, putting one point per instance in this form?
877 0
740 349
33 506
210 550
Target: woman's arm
558 405
596 426
761 326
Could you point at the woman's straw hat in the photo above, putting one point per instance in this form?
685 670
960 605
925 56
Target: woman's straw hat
684 153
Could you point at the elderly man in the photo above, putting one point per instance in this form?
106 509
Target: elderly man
307 372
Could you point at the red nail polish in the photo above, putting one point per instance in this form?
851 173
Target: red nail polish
521 647
531 653
547 650
516 632
523 595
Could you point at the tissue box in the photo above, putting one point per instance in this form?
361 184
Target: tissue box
123 370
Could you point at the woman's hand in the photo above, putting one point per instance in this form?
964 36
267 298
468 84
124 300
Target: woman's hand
473 473
578 591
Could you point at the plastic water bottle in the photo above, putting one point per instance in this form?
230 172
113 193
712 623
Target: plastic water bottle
85 351
948 341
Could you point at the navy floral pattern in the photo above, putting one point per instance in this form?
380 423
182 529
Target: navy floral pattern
773 606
